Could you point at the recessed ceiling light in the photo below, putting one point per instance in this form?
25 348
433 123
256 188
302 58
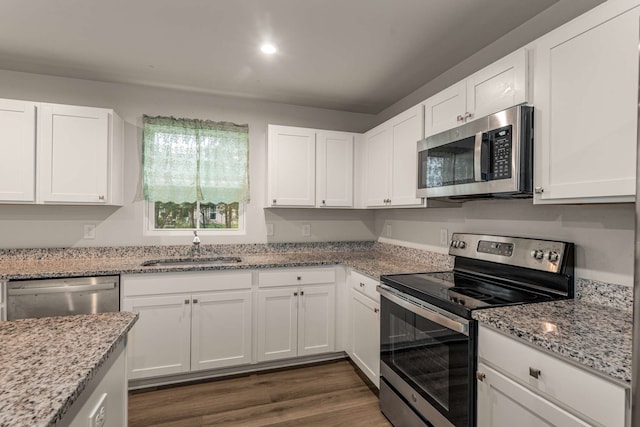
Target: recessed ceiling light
268 48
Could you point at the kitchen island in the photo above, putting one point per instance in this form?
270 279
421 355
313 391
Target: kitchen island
50 366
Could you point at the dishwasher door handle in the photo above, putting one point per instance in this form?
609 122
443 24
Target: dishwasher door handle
62 289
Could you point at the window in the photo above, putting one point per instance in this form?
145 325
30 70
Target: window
195 174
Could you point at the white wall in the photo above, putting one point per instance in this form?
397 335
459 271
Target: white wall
603 234
62 226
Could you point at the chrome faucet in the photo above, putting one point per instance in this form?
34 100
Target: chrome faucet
195 249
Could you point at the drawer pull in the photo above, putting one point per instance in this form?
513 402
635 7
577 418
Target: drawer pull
361 285
299 278
480 376
535 373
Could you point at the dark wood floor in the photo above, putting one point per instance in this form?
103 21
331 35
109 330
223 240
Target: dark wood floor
330 394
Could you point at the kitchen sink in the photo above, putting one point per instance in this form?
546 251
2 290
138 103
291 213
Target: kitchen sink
186 262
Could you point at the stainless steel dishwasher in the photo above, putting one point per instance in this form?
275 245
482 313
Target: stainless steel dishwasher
59 297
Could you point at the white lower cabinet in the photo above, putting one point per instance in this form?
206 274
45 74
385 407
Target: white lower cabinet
365 335
160 342
501 401
296 313
519 382
207 327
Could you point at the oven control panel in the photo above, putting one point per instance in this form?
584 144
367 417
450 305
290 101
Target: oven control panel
545 255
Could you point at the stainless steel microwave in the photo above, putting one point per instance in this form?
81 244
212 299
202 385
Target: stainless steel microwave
485 158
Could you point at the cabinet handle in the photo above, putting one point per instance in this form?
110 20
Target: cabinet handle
361 285
274 201
376 310
480 376
323 202
100 197
535 373
301 293
195 301
468 115
459 118
299 278
186 301
295 294
539 190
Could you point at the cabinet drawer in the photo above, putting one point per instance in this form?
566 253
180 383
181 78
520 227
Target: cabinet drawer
586 393
183 282
288 277
365 285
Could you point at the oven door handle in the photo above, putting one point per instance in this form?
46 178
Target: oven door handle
461 326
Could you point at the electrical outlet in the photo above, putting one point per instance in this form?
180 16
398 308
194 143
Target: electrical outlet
387 230
444 237
89 231
98 417
269 229
306 230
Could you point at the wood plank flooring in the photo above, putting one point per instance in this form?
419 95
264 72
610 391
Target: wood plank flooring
330 394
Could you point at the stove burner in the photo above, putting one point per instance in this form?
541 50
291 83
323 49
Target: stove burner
470 292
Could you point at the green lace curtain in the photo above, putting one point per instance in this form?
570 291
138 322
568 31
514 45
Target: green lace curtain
185 160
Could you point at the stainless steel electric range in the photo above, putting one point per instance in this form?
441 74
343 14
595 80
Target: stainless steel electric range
428 337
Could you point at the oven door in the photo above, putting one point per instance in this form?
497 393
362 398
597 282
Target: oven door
427 357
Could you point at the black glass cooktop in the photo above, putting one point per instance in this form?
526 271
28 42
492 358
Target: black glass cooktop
461 293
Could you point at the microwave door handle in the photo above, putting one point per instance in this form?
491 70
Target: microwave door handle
477 158
481 158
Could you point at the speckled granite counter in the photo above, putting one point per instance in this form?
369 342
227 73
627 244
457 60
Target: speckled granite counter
593 335
45 364
372 260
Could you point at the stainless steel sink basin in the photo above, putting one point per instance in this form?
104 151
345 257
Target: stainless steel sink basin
186 262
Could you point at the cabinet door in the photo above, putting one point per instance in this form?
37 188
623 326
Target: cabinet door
316 320
365 335
292 166
159 343
221 330
377 146
406 130
334 169
74 154
586 94
501 401
501 85
277 323
445 110
18 147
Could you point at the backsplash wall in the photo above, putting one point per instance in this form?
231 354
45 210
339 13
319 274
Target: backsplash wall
603 234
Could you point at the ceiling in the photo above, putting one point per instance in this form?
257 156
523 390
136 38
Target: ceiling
353 55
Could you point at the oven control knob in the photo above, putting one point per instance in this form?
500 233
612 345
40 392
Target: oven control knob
462 244
455 243
537 254
553 256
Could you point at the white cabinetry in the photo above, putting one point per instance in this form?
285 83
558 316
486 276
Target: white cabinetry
75 158
496 87
586 95
18 147
517 381
207 325
364 326
309 167
391 161
296 313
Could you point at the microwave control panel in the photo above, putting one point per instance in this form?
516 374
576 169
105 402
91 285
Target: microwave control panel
501 152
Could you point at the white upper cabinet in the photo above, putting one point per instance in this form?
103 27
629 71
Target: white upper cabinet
391 161
586 95
496 87
309 167
292 166
18 146
74 157
334 169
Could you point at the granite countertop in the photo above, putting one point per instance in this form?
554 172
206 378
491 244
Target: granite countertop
46 363
373 263
595 336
